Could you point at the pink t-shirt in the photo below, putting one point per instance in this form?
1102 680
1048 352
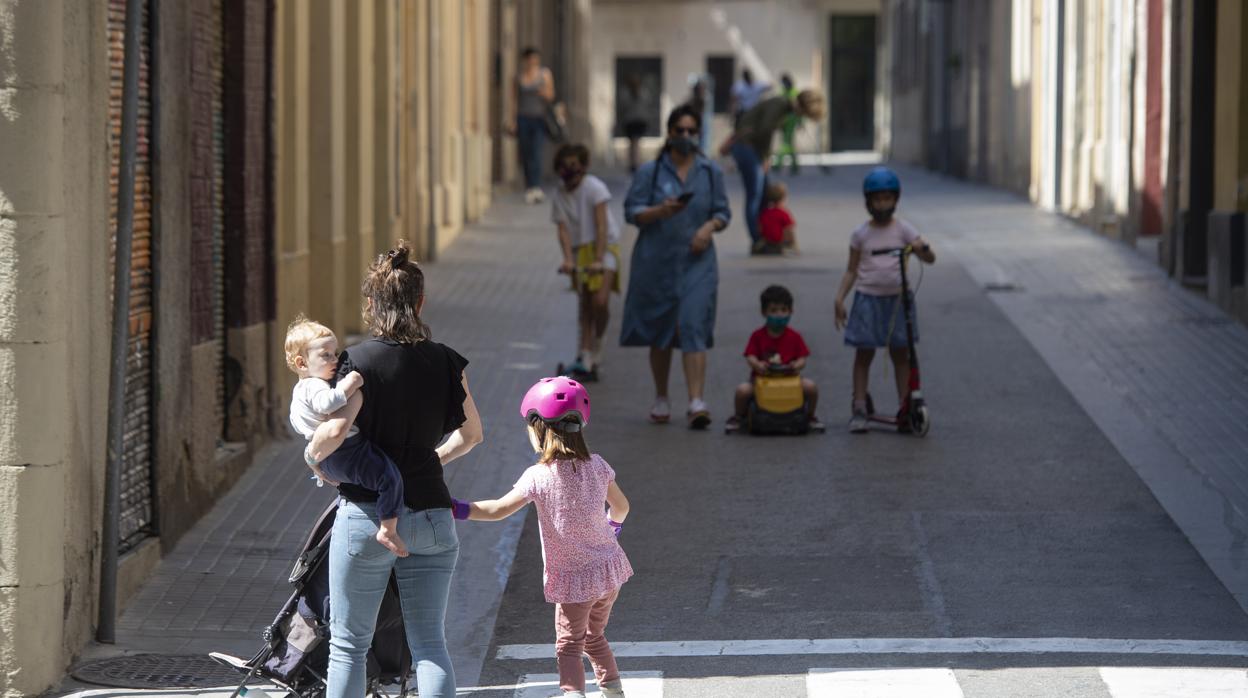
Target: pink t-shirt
880 275
583 560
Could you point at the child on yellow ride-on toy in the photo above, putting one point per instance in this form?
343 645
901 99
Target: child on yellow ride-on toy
777 399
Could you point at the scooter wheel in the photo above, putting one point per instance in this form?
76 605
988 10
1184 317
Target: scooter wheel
920 421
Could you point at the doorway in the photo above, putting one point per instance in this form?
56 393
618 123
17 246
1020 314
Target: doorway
851 82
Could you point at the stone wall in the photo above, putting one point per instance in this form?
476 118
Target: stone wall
54 333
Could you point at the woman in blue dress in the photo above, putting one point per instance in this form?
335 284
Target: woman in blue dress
678 202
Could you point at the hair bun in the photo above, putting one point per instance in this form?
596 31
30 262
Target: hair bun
398 255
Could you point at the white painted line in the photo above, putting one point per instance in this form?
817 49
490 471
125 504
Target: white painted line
934 645
637 684
1137 682
882 683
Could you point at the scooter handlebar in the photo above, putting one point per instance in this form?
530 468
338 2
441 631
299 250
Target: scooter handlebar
894 251
897 251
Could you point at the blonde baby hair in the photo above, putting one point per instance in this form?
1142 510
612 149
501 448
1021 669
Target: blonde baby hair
299 334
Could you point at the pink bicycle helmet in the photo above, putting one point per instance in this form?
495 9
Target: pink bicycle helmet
557 399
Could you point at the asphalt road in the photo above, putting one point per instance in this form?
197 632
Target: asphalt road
1014 518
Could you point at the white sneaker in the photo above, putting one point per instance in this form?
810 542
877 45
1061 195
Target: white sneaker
538 196
612 689
699 415
660 411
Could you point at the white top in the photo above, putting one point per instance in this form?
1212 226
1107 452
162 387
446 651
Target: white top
575 209
311 403
881 275
749 94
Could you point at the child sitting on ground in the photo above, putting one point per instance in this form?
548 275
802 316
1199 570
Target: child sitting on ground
775 346
589 237
875 321
312 353
776 224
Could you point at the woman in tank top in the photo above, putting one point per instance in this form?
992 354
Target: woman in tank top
534 92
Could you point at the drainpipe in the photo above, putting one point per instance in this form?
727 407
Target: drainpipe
435 123
106 628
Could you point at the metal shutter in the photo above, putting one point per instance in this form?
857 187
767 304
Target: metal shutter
136 477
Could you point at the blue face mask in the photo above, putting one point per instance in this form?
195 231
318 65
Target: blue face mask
777 322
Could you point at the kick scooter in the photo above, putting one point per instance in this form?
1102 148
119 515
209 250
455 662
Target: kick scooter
579 373
913 416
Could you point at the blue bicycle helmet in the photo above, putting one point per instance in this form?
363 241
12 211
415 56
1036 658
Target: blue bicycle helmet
881 179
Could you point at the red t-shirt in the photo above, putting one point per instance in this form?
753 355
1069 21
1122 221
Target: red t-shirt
789 345
773 220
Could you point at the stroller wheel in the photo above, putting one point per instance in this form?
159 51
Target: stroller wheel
920 421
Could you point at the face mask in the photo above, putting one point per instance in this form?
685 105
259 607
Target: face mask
683 144
568 174
777 322
881 215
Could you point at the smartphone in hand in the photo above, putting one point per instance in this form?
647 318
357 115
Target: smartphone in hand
685 197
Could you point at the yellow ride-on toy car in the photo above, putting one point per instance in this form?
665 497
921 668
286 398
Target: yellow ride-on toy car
778 405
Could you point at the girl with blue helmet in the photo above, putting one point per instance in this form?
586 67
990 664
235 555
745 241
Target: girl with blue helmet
875 320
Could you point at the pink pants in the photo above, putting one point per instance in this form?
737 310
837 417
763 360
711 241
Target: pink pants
578 630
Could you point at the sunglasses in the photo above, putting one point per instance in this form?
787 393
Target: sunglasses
685 131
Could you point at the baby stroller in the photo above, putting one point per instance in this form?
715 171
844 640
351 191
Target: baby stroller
295 654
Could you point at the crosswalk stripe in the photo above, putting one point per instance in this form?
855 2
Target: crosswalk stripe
882 683
1156 682
929 645
637 684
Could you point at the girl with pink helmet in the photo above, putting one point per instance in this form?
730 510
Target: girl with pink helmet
584 564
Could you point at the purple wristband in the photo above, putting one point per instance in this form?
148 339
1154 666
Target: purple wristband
460 510
616 526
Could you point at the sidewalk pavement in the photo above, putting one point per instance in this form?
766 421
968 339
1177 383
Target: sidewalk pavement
1158 369
226 579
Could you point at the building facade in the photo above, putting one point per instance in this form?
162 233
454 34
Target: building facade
1128 115
830 45
281 145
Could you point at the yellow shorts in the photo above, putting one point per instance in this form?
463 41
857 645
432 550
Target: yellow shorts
591 283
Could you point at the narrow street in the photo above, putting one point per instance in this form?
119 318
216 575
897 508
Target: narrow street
1018 517
196 191
807 566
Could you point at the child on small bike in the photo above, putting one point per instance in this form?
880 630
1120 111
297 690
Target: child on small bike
875 275
589 237
775 347
584 565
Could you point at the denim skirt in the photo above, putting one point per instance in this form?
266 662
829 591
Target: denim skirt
876 322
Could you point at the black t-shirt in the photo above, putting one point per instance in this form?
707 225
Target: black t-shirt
413 396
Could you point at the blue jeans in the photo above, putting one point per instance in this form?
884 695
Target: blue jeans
359 570
752 176
531 130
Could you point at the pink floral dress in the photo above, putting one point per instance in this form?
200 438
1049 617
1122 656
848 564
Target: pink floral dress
584 562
